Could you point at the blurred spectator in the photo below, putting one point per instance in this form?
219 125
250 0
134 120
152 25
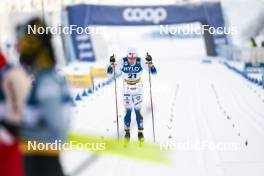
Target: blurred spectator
262 44
252 43
46 117
13 91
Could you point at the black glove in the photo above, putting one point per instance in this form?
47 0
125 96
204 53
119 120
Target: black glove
148 58
112 59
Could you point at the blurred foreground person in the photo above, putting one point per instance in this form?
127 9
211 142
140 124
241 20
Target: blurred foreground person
252 42
13 91
47 111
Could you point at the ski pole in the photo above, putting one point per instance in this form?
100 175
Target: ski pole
151 101
116 104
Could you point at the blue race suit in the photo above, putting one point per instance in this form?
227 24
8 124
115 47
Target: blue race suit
132 88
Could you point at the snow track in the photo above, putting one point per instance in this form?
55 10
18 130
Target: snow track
194 103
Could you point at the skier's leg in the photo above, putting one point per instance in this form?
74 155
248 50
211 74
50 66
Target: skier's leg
137 107
139 119
137 99
127 120
128 106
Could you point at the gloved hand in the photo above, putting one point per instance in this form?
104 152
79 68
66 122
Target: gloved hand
112 59
148 58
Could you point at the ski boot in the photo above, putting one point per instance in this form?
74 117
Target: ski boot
127 138
140 138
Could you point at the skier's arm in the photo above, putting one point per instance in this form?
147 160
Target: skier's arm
148 65
110 69
118 66
152 68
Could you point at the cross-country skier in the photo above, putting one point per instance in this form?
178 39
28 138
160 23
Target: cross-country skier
131 68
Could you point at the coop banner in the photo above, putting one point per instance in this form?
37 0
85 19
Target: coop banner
80 17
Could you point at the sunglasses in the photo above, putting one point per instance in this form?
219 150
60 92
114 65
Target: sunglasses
131 54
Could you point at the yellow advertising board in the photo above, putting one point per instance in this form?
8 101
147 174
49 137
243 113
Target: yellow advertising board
80 80
99 73
86 80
